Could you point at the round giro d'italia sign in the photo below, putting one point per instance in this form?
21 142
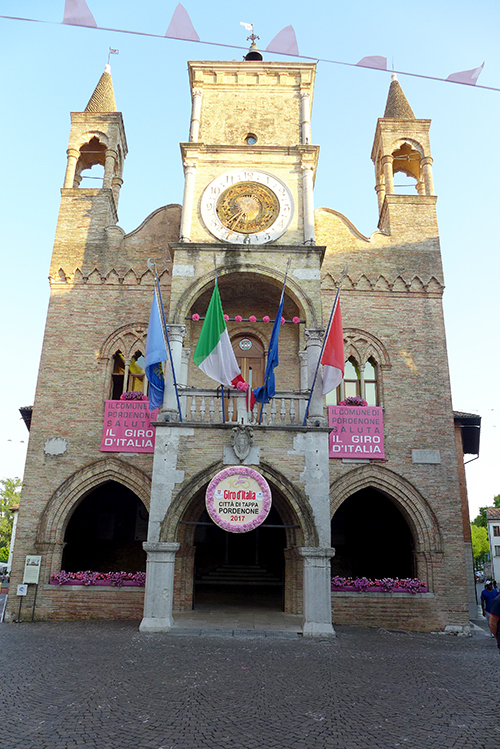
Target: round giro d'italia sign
238 499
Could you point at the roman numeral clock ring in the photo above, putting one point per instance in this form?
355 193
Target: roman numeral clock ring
247 207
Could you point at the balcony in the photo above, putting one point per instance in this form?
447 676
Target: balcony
198 406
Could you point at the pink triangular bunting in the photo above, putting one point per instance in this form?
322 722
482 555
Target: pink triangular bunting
180 27
373 61
285 41
77 13
467 76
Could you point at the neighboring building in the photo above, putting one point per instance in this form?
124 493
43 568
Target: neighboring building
250 165
493 517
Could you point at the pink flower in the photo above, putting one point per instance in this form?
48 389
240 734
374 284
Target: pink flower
195 317
252 318
283 320
265 318
243 386
226 317
296 320
238 318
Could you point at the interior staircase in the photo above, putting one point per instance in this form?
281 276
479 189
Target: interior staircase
240 575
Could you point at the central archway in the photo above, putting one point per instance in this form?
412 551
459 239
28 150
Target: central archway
240 569
260 568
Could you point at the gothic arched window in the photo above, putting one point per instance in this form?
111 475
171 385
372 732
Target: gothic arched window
359 380
127 375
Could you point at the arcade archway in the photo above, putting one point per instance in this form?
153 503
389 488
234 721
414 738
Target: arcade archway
106 531
259 568
371 538
244 569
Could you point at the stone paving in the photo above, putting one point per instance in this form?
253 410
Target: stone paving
103 685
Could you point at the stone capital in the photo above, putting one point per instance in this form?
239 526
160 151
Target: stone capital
314 336
161 551
176 332
323 554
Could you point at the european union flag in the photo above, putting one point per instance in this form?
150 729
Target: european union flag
156 354
268 389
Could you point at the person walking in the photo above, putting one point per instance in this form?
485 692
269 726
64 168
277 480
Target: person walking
488 595
494 618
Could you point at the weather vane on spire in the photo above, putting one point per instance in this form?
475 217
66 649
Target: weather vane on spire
112 52
249 27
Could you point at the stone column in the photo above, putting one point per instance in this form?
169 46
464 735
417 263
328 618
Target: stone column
362 381
314 339
188 200
116 183
426 165
159 593
380 190
317 594
387 162
308 203
303 381
305 116
109 168
176 334
73 155
194 130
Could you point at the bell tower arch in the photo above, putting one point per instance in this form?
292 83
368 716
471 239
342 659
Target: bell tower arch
402 146
89 206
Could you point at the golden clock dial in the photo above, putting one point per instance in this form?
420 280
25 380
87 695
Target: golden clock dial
247 207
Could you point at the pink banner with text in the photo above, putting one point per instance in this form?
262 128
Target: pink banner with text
357 432
127 427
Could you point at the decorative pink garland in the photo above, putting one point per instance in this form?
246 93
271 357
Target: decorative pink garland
238 318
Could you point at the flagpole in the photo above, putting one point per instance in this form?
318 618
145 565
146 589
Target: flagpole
152 266
279 305
325 337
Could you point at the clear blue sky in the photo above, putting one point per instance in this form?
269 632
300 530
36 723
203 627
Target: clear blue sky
49 69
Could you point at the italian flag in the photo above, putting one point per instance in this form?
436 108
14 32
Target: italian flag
214 353
333 354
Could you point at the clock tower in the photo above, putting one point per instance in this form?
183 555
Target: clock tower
248 205
249 163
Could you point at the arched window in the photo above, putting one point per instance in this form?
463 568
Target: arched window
359 380
352 379
406 169
92 158
127 376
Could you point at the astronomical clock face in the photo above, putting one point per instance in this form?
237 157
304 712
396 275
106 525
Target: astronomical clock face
247 207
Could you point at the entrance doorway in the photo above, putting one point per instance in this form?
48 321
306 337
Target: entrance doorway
249 352
240 569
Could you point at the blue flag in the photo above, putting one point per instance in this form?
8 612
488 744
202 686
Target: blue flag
156 354
268 389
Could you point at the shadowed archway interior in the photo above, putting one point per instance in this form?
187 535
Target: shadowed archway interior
106 531
371 538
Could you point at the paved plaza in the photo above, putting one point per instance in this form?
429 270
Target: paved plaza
103 685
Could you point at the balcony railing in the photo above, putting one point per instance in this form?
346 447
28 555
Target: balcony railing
205 407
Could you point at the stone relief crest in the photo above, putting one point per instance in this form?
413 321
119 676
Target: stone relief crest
242 441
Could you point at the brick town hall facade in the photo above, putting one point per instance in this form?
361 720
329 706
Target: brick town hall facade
399 514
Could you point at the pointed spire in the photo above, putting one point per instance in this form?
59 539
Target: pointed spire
397 107
103 98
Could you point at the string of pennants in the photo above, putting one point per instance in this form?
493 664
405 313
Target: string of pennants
78 13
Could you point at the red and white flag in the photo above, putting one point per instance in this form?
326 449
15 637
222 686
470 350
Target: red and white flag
333 354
